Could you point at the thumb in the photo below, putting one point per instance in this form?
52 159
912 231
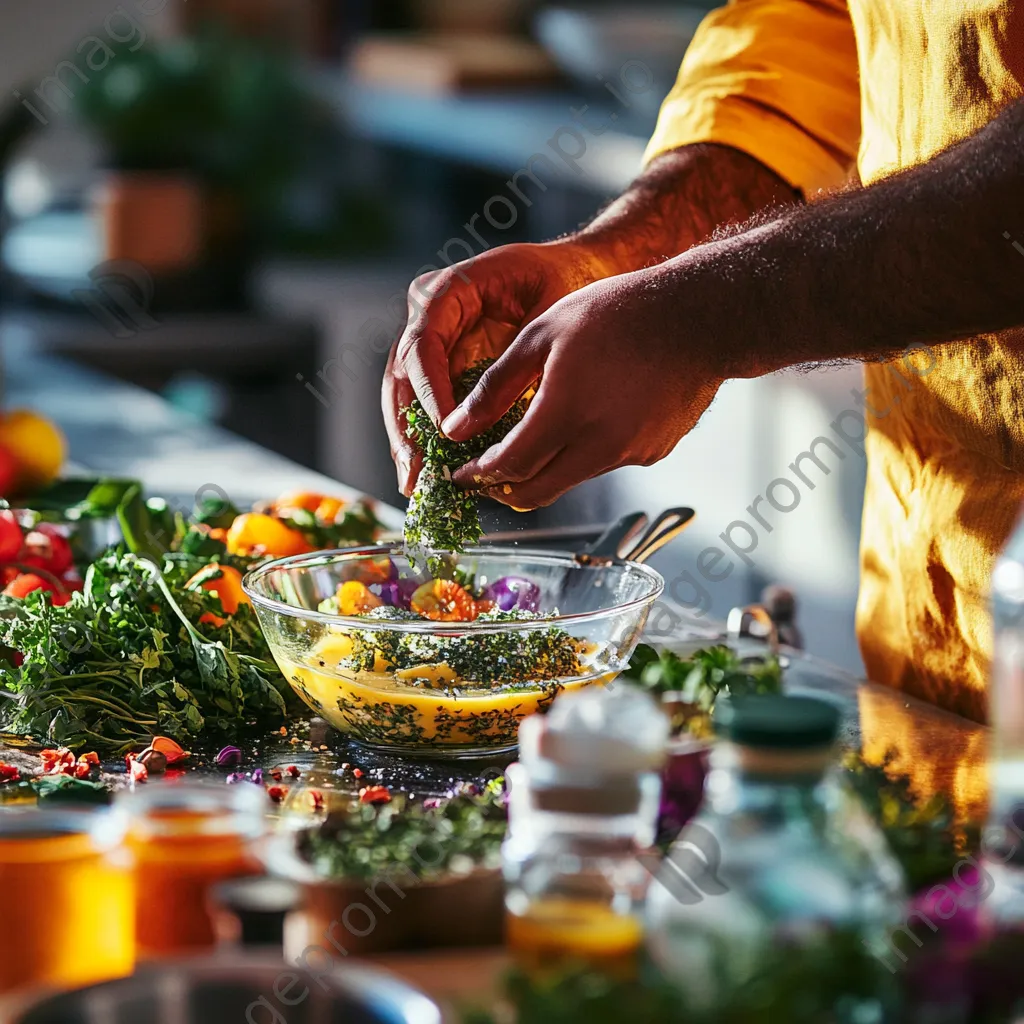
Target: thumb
497 391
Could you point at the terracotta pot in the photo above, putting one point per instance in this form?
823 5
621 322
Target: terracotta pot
156 220
397 914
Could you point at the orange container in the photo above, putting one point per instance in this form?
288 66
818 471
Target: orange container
184 839
67 899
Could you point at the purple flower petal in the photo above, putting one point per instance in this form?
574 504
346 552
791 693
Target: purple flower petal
510 592
228 756
257 776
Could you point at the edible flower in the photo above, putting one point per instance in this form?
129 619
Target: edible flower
317 799
137 771
173 751
257 776
63 762
9 773
277 793
375 795
444 601
228 756
355 598
293 771
236 777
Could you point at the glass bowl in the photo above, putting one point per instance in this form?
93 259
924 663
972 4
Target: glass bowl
442 688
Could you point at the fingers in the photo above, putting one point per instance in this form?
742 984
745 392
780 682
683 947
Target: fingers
396 395
571 467
524 452
499 387
435 325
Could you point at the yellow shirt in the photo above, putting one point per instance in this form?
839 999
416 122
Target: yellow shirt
813 89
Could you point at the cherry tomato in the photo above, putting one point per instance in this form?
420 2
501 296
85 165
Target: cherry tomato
47 548
11 537
23 585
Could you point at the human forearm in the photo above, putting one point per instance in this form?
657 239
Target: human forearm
920 257
678 202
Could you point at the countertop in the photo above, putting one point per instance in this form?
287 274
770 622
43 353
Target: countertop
119 429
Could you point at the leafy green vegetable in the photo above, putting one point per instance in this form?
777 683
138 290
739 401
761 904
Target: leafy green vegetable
122 661
77 498
428 839
441 516
703 676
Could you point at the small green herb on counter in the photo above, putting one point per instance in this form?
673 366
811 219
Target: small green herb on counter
441 516
703 676
462 832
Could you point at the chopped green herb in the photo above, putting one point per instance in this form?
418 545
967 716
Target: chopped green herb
492 659
462 832
441 516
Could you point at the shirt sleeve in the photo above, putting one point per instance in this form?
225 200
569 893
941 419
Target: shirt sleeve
777 79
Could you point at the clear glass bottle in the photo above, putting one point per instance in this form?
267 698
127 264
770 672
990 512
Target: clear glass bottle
583 808
778 868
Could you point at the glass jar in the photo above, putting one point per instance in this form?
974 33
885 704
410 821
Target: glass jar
781 879
583 806
185 839
67 899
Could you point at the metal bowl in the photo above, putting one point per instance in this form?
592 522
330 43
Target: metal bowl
219 989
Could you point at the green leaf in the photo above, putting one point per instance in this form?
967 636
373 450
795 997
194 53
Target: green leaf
141 534
66 789
217 512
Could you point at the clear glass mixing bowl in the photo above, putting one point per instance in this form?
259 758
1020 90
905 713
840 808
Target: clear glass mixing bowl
347 670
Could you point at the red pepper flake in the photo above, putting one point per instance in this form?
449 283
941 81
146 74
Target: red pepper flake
358 773
293 771
58 762
277 793
275 774
62 762
9 773
318 799
375 795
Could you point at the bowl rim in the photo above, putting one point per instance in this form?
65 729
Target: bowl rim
252 578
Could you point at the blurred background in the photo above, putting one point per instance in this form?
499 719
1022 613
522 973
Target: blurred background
223 202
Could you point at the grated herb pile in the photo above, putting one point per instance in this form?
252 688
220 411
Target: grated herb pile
442 517
462 832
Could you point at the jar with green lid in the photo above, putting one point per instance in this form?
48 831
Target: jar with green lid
781 891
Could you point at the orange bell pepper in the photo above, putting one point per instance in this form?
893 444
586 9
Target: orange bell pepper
254 532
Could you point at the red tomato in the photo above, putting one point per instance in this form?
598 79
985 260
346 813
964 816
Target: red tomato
24 584
47 548
11 537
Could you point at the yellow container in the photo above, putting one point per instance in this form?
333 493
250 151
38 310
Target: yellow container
68 899
555 930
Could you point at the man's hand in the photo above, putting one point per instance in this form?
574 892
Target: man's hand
464 314
621 385
475 309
